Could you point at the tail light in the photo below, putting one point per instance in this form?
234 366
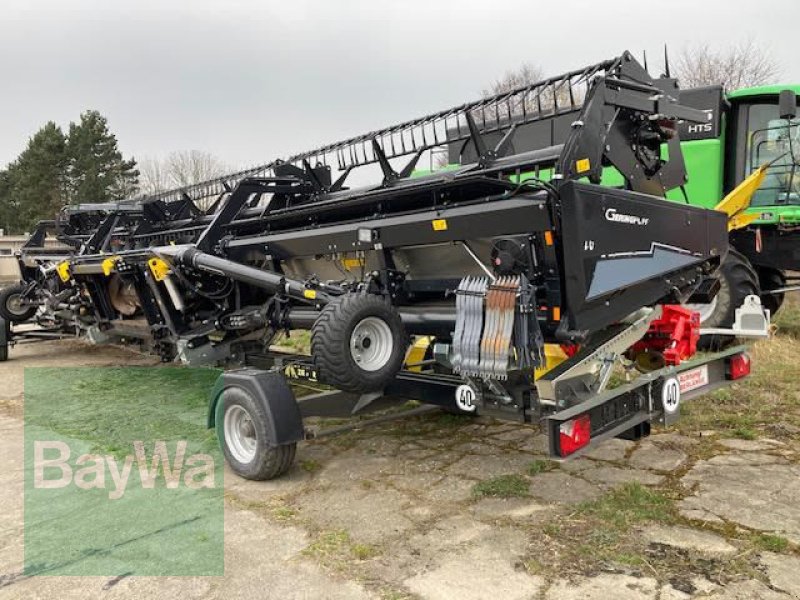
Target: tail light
574 434
738 366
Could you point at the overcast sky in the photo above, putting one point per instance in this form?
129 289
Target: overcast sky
250 81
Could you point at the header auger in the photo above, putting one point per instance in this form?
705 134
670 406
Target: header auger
497 262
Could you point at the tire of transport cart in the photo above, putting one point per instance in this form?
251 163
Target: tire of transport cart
245 429
738 280
5 335
10 309
358 343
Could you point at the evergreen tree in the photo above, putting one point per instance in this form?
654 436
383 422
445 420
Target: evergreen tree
33 186
96 171
7 223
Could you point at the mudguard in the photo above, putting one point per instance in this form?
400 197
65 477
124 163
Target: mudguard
273 392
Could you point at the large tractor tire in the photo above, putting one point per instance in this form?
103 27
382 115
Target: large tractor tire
771 279
11 307
358 343
737 280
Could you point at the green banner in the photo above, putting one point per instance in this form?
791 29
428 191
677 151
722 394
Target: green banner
121 475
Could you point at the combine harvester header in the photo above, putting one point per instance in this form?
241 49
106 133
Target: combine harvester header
524 281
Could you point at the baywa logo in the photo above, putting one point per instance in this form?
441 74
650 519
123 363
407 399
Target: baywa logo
96 471
122 474
617 217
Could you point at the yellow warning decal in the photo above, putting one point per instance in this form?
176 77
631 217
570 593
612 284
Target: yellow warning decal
158 268
108 265
439 224
310 294
352 263
63 271
583 165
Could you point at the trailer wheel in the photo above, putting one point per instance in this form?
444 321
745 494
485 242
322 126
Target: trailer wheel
358 343
5 335
738 280
11 307
771 279
243 429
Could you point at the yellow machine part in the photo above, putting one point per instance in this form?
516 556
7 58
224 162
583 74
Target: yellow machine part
738 200
63 271
158 268
554 356
108 265
416 353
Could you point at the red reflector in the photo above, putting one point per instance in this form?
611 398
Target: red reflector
574 434
739 366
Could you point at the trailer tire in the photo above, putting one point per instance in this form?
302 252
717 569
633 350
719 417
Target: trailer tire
358 343
5 335
771 279
243 430
9 305
737 280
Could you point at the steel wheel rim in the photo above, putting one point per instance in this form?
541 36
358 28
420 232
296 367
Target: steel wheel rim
240 433
371 344
14 305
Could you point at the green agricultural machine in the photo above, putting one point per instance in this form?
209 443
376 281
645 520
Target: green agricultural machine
750 128
746 130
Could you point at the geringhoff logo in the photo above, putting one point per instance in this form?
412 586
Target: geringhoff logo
618 217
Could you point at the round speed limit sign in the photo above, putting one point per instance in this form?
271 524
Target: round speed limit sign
466 399
671 395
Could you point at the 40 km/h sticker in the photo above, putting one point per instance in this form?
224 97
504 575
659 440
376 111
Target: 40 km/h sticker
466 399
671 395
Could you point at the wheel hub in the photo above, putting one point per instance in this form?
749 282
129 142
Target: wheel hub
15 306
240 433
371 344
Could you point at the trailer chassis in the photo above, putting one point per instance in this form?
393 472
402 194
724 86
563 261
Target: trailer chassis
626 411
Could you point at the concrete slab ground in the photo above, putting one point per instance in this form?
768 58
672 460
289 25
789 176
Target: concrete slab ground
419 509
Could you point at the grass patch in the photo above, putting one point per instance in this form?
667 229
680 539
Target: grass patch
744 433
298 340
363 551
766 404
628 505
541 466
310 465
504 486
328 545
284 513
337 550
771 542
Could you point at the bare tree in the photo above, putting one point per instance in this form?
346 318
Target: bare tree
152 176
193 166
741 65
527 74
179 169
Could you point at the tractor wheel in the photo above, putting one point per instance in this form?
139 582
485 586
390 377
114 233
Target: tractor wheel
737 280
11 307
358 343
771 279
243 430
